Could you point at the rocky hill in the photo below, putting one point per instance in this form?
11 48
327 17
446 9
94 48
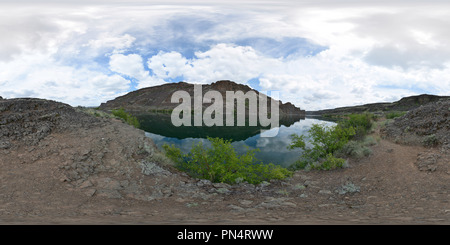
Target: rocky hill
405 104
159 97
428 125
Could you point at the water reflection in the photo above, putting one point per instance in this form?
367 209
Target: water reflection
161 124
272 149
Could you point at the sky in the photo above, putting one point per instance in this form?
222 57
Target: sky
317 54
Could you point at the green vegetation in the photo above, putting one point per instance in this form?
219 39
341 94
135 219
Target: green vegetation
94 112
361 123
120 113
163 111
117 113
327 144
395 114
220 163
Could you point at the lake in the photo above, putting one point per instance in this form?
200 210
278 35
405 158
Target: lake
272 149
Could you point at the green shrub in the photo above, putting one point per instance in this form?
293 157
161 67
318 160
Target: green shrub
329 163
220 163
325 141
369 141
361 123
120 113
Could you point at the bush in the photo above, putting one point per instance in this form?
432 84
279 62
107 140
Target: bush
355 149
325 141
220 163
361 123
330 163
120 113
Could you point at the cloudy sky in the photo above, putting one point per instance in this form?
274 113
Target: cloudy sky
317 54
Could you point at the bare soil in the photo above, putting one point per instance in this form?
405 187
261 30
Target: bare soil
109 174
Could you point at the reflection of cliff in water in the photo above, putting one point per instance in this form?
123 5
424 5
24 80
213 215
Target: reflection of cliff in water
161 124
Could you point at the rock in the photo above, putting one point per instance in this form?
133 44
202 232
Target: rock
236 208
90 192
204 182
310 183
223 190
221 185
150 168
289 204
326 192
427 161
246 202
5 144
85 184
299 187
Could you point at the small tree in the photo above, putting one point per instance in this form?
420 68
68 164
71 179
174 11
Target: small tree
220 163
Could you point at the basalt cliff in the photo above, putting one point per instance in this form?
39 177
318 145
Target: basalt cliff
158 98
404 104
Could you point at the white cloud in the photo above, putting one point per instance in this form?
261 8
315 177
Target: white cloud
168 65
221 62
117 43
130 65
87 53
40 76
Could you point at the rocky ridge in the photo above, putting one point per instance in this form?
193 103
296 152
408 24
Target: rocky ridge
159 97
428 124
404 104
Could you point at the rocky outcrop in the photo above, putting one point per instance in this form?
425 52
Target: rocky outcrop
48 144
428 125
28 120
405 104
159 97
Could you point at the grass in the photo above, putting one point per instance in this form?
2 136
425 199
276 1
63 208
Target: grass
395 114
128 118
95 112
116 113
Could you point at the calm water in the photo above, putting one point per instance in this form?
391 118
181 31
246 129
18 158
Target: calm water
272 150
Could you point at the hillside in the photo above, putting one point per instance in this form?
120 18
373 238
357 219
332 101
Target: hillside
159 97
404 104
